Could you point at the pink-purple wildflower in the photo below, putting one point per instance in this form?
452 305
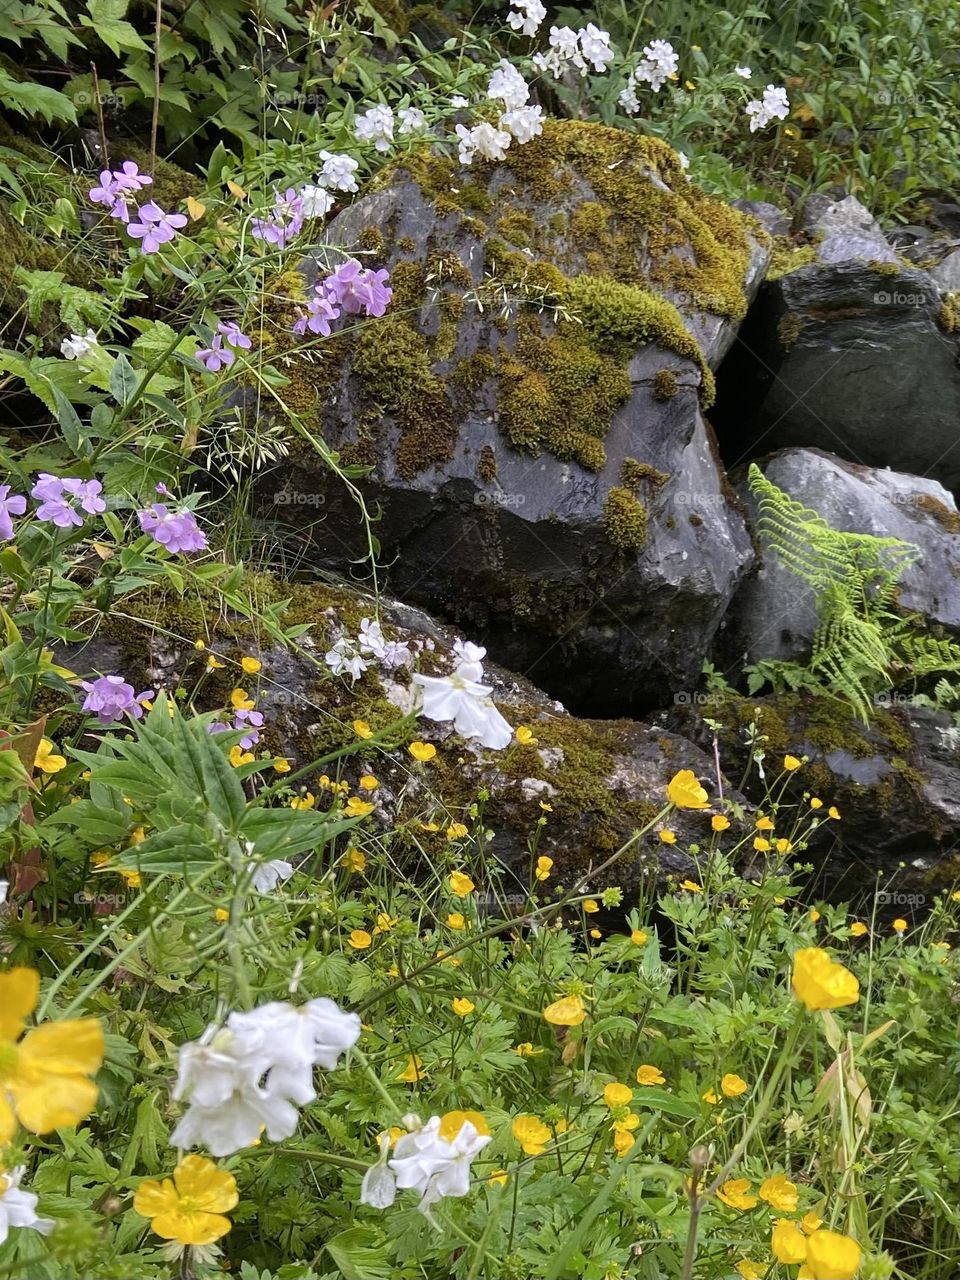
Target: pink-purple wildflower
60 497
11 504
156 227
286 222
349 290
110 698
217 356
116 185
176 531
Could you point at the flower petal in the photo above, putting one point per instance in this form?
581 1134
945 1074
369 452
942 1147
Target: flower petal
153 1198
191 1227
74 1047
19 989
209 1188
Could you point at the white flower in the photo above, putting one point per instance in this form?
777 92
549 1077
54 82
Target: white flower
338 172
317 1032
317 201
491 143
454 1178
660 62
595 47
396 654
19 1208
526 16
458 103
564 47
467 651
76 346
343 659
628 99
372 640
525 123
4 886
237 1123
509 86
461 697
269 874
411 120
376 126
773 106
424 1162
684 160
745 72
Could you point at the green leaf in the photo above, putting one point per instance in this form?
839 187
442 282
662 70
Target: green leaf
361 1254
123 381
30 99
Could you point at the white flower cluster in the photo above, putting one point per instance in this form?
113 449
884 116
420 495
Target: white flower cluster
78 345
424 1162
526 16
412 120
337 174
351 658
19 1208
253 1073
589 45
519 120
376 126
464 699
774 105
659 63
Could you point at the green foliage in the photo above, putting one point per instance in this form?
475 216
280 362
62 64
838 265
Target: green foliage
863 645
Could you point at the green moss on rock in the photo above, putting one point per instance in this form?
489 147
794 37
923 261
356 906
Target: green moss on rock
625 519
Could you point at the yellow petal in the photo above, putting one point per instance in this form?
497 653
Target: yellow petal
153 1198
209 1188
74 1047
8 1121
19 989
191 1228
44 1104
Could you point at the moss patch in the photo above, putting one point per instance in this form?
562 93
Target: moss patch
625 519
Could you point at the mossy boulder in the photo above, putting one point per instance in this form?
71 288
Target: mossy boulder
855 351
774 616
542 307
582 788
894 782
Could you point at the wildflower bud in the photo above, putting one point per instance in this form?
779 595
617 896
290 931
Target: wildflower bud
699 1158
879 1267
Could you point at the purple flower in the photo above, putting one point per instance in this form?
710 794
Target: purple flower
216 356
110 698
174 530
115 183
58 498
155 226
11 504
320 311
252 721
356 289
233 336
286 222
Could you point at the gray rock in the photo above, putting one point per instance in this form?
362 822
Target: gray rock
774 615
853 359
947 273
844 231
773 219
594 549
893 782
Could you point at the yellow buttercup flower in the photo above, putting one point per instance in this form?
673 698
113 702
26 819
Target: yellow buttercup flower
791 762
368 782
784 846
622 1140
303 802
617 1095
240 700
240 757
667 836
463 1007
532 1134
596 933
422 751
779 1193
359 939
815 803
498 1178
763 823
685 791
761 844
810 1222
281 765
44 1077
46 759
362 729
830 1256
691 886
591 906
732 1085
787 1242
638 937
719 823
354 860
543 868
814 915
214 663
750 1270
712 1097
357 808
822 983
413 1070
250 665
649 1075
858 929
525 736
526 1050
190 1207
834 812
453 1121
460 884
568 1011
221 915
457 831
456 920
736 1194
899 925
